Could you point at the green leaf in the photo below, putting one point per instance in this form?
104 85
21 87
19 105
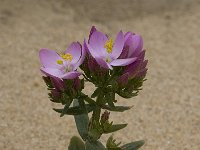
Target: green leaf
76 144
117 108
82 122
88 99
65 109
96 93
94 134
133 145
114 128
94 145
76 110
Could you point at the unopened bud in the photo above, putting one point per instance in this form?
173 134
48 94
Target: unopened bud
105 116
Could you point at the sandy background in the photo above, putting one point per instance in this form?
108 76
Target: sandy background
166 113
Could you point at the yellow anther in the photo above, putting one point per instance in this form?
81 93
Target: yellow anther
60 62
67 56
109 45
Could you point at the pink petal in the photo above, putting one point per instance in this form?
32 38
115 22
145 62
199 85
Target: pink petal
127 35
96 44
103 64
75 50
93 29
135 45
71 75
122 62
53 72
82 57
48 58
118 45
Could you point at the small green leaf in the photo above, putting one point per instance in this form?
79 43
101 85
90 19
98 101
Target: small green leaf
133 145
82 122
117 108
88 99
76 110
47 80
65 109
110 98
112 145
76 144
96 93
94 145
126 94
114 128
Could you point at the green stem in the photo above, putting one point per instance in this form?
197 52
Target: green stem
97 112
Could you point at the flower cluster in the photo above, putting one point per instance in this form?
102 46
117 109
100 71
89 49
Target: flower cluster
114 66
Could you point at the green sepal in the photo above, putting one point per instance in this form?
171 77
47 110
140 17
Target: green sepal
133 145
117 108
97 145
113 128
82 121
54 98
126 94
65 99
47 80
76 144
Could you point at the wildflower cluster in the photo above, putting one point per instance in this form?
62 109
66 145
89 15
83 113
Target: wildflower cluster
113 66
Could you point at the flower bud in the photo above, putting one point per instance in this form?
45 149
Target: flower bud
55 95
105 116
57 83
77 84
123 79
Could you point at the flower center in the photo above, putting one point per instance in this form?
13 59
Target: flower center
68 68
109 46
108 59
67 57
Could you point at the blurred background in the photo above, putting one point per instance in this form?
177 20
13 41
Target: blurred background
166 113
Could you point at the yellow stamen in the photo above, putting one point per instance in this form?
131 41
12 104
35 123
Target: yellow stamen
60 62
109 45
67 56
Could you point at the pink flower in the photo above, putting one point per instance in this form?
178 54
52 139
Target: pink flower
106 51
133 48
62 66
